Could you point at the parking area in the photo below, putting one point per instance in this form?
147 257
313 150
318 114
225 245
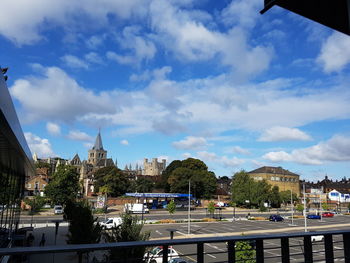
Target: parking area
217 252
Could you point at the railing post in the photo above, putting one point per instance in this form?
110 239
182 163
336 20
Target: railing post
308 249
200 252
259 251
285 250
328 247
165 253
346 241
231 252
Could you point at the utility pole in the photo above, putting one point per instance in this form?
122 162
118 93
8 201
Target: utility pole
189 207
292 206
305 224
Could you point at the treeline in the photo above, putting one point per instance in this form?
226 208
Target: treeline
250 193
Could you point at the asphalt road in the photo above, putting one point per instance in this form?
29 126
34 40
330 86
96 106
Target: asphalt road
217 252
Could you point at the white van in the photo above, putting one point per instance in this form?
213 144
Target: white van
111 222
135 209
58 209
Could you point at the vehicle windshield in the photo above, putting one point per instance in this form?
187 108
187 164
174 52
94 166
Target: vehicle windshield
155 250
58 207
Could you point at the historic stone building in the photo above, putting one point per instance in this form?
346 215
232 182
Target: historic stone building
284 179
153 168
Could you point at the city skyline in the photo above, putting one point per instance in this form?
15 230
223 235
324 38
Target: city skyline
178 79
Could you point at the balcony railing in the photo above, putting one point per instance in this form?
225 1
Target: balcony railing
322 246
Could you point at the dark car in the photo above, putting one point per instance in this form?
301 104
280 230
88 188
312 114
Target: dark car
327 214
313 216
276 218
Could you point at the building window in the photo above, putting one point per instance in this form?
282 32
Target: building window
29 185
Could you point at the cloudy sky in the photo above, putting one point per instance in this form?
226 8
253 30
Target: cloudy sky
174 79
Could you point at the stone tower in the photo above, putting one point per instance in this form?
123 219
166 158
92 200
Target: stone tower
97 153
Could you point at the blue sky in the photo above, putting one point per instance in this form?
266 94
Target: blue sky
214 80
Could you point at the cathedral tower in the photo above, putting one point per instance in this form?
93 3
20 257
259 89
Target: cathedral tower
97 153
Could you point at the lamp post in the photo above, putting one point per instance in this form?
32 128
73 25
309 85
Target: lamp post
305 224
189 208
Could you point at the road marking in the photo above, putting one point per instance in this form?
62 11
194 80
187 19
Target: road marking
181 233
210 255
215 247
157 231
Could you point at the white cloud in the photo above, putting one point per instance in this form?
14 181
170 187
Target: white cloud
278 133
189 39
124 142
53 128
41 147
191 143
93 57
74 62
335 53
94 42
223 160
79 136
238 150
336 149
35 17
186 155
244 13
55 95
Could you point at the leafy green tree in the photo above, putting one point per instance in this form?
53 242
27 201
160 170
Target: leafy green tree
325 206
262 207
242 186
36 203
285 197
245 252
83 227
129 230
300 208
211 208
203 182
275 197
113 179
142 185
171 207
64 186
166 173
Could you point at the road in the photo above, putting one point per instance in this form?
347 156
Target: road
217 252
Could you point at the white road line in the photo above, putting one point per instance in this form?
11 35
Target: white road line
275 254
215 247
181 233
159 232
210 255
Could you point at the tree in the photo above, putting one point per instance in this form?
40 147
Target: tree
285 197
325 206
142 185
203 182
35 203
64 186
275 197
241 187
86 231
129 230
300 208
171 207
211 208
244 252
166 173
113 179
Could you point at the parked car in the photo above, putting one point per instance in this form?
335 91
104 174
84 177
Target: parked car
313 216
178 260
58 209
156 255
276 218
317 238
328 214
136 208
111 222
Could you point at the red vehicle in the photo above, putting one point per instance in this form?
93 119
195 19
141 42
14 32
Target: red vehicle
327 214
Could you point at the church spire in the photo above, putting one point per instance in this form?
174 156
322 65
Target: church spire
98 142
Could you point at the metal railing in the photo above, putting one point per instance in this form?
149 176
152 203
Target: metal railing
331 246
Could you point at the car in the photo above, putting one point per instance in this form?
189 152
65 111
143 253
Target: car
58 209
327 214
313 216
317 238
276 218
177 260
156 255
111 222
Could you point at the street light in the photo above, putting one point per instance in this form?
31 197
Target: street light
189 208
305 224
